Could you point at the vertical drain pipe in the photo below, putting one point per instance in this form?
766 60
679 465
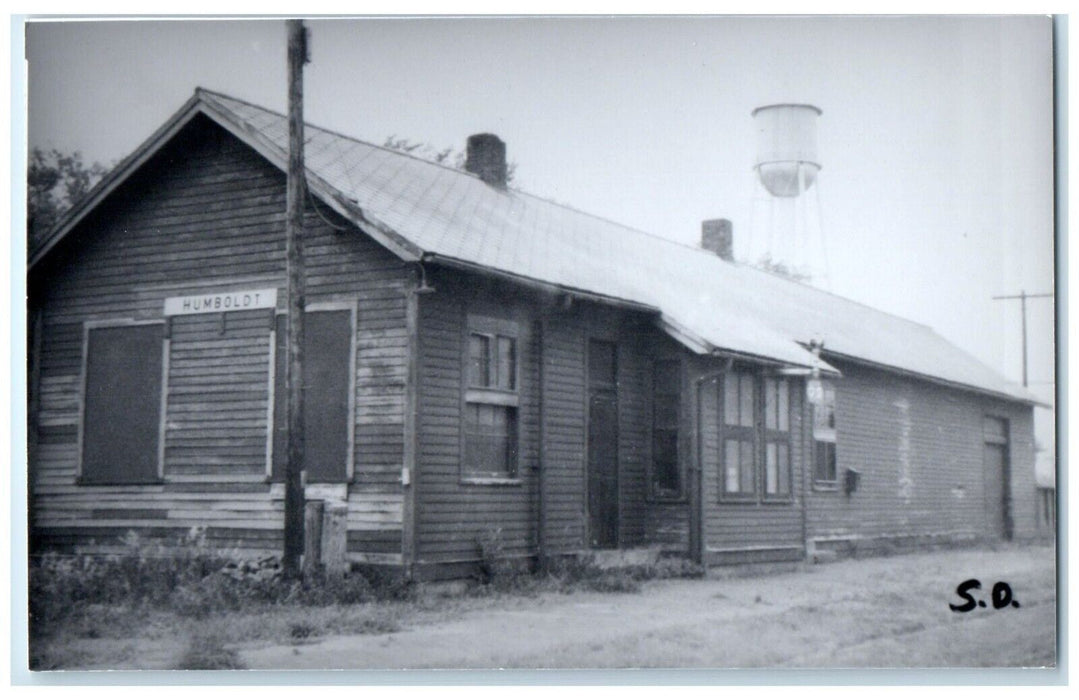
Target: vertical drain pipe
697 512
541 473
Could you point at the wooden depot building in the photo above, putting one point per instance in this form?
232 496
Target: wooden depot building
478 360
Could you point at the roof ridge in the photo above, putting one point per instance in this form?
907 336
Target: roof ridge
711 255
570 207
339 134
821 290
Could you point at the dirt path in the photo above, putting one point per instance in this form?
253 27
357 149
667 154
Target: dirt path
890 612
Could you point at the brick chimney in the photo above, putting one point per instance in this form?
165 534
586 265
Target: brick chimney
717 235
486 157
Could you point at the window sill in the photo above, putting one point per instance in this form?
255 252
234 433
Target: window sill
80 481
497 397
491 481
826 486
740 500
777 501
319 491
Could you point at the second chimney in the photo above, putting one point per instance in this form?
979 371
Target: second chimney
486 157
717 235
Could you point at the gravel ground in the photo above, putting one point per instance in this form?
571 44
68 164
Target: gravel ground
890 612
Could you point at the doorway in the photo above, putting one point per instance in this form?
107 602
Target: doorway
997 473
602 444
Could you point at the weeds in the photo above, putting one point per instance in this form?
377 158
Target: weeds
188 579
576 575
496 569
207 652
151 590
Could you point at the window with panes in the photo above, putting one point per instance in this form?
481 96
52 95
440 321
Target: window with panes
666 399
825 473
491 399
755 444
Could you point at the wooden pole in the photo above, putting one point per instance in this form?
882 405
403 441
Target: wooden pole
294 496
1022 296
1023 305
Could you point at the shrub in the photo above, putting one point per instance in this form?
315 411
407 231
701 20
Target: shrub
386 584
496 570
677 567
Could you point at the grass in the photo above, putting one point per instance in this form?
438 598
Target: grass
193 606
207 652
152 592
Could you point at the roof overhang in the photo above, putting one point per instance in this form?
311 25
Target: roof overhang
1019 397
701 346
537 284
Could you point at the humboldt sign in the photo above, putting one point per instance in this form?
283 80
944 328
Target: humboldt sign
243 300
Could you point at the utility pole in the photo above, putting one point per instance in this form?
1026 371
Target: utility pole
294 496
1022 296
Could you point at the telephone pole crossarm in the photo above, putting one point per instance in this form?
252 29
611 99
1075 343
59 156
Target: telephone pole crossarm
1022 296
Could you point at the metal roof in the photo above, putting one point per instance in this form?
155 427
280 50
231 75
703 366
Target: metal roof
423 210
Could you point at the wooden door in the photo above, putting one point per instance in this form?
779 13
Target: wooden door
997 475
997 504
602 446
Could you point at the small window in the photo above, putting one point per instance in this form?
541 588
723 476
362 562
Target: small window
666 397
602 364
121 417
824 438
491 400
492 361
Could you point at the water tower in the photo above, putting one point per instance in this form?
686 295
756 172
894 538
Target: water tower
786 233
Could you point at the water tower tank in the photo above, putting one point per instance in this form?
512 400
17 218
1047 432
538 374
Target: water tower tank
787 162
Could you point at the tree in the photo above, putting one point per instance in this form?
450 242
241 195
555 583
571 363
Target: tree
55 181
776 267
447 156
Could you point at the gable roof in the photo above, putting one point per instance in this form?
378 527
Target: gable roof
425 211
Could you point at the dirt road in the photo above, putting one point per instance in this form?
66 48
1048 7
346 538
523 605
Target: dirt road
888 612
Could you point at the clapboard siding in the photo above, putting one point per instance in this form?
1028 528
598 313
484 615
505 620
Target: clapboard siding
235 402
564 403
206 214
756 525
452 514
919 448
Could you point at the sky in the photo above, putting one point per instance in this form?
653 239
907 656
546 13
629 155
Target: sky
936 191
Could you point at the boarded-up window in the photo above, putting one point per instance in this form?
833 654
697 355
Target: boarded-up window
327 386
666 397
121 428
491 400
